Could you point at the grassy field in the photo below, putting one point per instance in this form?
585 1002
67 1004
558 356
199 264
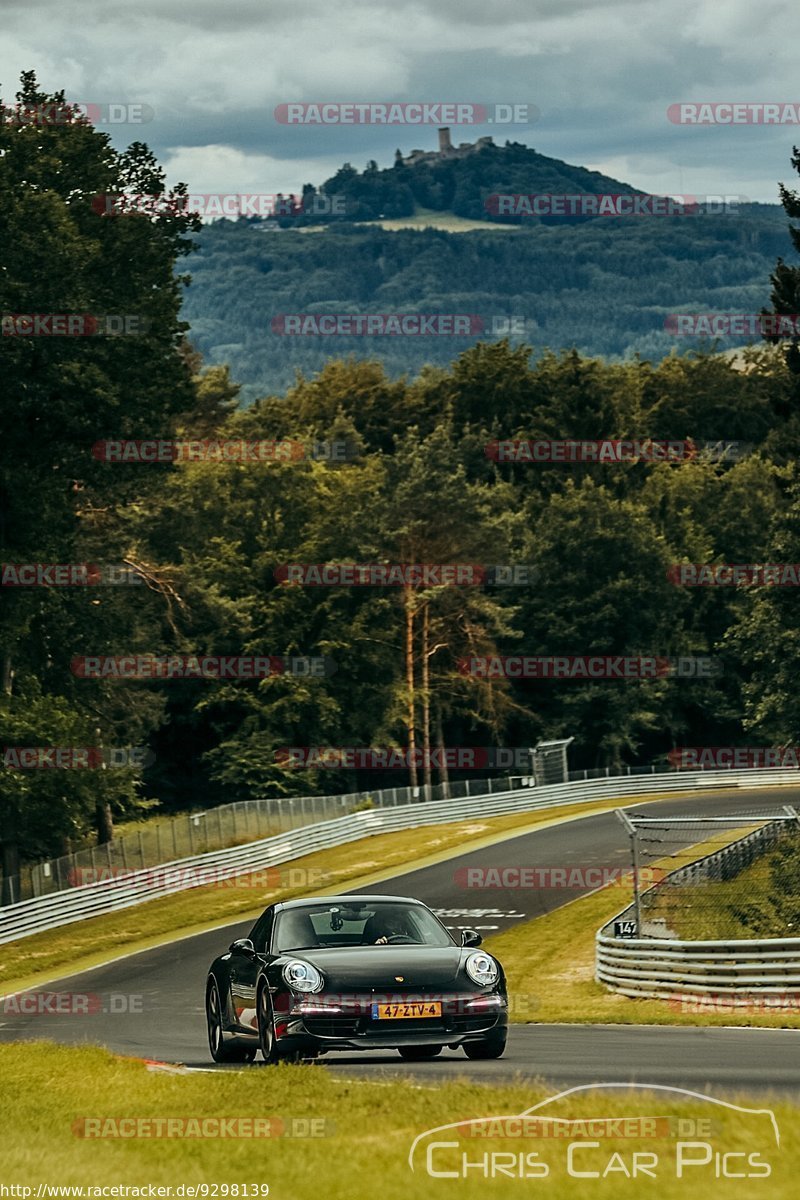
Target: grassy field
429 218
365 1131
426 218
550 967
87 943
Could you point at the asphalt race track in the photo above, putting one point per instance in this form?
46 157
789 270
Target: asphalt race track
151 1004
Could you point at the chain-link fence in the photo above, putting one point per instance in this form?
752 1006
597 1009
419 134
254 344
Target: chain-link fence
164 839
159 840
712 878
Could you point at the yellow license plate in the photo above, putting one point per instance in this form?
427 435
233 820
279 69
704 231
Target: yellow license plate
412 1009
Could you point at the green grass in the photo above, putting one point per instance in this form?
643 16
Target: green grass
428 218
86 943
425 218
716 910
550 963
370 1127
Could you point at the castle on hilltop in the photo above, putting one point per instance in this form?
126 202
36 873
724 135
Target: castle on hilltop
446 150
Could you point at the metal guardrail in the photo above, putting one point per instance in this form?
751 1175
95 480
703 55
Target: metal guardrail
662 970
109 895
730 971
167 839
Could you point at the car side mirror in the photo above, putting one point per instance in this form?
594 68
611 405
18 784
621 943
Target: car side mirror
470 937
243 946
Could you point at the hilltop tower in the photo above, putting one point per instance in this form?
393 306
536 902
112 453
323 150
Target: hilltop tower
445 145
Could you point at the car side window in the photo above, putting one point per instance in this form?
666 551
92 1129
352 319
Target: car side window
261 933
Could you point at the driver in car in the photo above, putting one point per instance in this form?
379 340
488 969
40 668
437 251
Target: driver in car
387 925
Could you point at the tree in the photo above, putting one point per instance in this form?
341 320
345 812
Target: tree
765 636
786 280
602 589
62 252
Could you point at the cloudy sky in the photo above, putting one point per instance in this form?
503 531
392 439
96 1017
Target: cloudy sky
601 75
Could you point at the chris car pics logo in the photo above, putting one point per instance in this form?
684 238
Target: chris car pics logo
625 1138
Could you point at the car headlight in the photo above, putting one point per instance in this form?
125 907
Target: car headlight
302 977
482 968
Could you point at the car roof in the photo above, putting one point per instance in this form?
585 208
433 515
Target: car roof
347 898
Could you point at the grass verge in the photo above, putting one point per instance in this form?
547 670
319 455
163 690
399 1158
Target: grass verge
369 1128
550 961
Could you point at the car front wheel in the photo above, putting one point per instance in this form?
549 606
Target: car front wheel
266 1027
221 1051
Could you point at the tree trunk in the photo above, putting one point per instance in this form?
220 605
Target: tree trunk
7 675
410 718
426 702
444 774
9 856
104 822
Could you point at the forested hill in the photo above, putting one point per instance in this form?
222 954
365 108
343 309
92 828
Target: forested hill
461 186
605 286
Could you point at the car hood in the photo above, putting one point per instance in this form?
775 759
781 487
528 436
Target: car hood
379 966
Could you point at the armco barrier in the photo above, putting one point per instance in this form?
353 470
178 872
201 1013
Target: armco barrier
660 969
62 908
724 974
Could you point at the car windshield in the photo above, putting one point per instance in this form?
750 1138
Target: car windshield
327 925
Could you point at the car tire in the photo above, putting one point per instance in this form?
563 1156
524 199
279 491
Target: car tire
266 1026
418 1053
490 1047
221 1051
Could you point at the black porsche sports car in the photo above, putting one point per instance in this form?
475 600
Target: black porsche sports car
354 973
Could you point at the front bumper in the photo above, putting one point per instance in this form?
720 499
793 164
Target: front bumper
309 1024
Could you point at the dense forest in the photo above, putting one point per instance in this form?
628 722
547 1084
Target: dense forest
209 540
605 287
